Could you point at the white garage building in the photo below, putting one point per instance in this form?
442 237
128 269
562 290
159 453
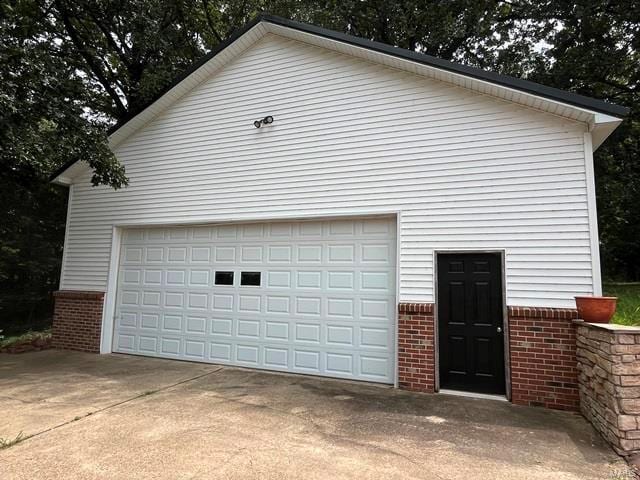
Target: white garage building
379 179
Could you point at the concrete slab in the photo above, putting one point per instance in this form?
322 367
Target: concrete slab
40 390
235 423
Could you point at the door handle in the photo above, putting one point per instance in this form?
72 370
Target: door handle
499 329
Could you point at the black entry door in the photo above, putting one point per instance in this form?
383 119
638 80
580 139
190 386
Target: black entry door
470 322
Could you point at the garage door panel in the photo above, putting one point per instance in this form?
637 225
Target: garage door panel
132 255
378 281
375 367
279 279
194 349
375 338
134 235
196 325
131 276
171 323
277 305
197 278
220 351
149 321
170 346
275 357
325 303
125 342
128 320
247 354
340 335
130 298
276 331
148 344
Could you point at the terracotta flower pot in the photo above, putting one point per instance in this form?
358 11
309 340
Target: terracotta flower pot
596 309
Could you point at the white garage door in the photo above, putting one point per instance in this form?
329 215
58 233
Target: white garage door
313 297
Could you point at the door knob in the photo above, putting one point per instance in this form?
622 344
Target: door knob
499 329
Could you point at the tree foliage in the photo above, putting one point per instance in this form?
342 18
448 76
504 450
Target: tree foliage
594 50
70 69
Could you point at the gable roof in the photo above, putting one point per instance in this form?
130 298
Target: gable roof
597 113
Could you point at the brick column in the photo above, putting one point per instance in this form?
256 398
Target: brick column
77 320
543 357
609 377
416 347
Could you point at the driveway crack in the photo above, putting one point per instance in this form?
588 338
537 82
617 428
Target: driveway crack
147 393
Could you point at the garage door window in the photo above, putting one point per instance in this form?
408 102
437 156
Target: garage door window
250 279
224 278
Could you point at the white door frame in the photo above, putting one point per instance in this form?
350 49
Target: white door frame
505 316
109 308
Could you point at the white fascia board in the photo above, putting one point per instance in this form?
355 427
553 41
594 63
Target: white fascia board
601 127
63 180
67 177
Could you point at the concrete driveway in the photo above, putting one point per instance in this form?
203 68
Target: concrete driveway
115 416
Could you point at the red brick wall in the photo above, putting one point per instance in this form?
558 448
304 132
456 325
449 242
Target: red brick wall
416 347
542 354
77 320
542 343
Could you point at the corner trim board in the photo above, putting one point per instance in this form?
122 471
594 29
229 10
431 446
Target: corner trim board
108 311
66 238
594 241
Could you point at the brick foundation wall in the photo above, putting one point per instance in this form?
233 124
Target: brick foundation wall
416 347
609 377
77 320
542 347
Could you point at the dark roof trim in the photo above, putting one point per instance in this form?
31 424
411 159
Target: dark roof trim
492 77
473 72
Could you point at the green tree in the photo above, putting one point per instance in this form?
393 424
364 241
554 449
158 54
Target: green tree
44 123
594 49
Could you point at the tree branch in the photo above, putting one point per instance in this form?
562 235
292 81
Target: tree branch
205 5
91 62
107 34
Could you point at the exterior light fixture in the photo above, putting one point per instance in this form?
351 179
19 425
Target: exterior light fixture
265 121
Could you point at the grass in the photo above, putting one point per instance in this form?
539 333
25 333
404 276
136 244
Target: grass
628 307
24 338
8 442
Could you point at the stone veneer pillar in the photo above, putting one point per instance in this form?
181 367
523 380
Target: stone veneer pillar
609 378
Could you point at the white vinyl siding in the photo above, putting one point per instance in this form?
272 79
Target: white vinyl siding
465 171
